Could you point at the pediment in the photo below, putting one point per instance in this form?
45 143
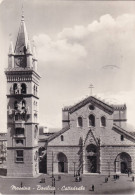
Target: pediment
95 102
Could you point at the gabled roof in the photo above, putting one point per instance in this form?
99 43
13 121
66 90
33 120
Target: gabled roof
22 38
102 105
121 130
58 133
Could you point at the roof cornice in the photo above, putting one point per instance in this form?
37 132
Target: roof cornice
102 105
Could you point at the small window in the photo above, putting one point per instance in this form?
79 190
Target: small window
16 117
34 90
35 117
62 138
91 107
23 116
35 131
92 120
19 131
80 122
103 121
122 137
15 105
19 155
23 104
19 141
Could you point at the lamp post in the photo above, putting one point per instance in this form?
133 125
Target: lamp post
52 165
53 183
108 169
74 168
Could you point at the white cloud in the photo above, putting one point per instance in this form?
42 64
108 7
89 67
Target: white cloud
106 23
57 50
108 36
1 1
107 41
77 32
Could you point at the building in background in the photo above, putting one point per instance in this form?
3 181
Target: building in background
3 147
22 104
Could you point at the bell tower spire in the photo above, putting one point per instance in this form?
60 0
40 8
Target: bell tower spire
22 38
22 56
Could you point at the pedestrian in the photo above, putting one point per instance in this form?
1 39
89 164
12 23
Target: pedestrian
106 179
59 177
93 188
128 173
133 178
21 184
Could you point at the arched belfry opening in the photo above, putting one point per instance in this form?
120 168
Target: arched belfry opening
23 88
91 159
62 163
123 163
15 88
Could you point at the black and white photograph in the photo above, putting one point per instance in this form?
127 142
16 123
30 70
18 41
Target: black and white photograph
67 89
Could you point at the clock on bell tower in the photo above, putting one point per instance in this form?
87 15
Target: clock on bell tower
20 61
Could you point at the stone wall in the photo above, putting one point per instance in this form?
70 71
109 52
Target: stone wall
71 154
109 155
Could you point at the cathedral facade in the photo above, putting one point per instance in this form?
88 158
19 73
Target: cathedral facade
22 108
93 140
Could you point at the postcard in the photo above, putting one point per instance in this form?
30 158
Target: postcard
67 97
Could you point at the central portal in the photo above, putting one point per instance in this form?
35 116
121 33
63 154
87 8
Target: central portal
91 159
92 164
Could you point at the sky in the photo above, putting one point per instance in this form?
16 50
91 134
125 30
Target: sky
78 43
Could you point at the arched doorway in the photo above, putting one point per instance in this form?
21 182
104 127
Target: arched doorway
123 167
62 163
123 163
42 160
91 160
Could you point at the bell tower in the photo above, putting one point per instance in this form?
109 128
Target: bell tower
22 107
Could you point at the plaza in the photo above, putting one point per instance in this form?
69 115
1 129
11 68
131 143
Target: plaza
68 185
